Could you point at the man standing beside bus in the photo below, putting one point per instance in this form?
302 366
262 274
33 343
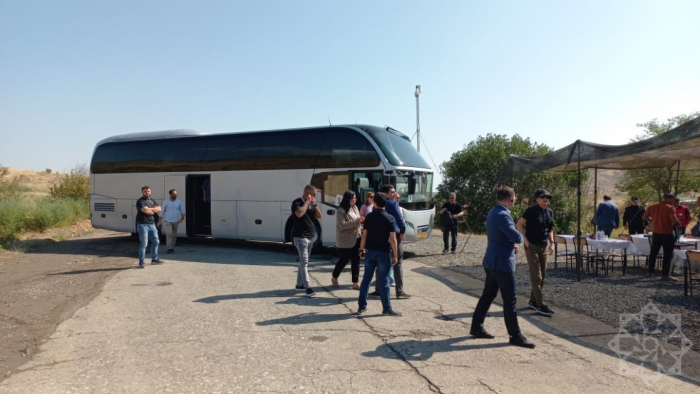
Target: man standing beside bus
305 210
173 213
451 212
146 226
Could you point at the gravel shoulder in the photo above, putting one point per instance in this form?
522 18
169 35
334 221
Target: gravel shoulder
47 282
604 298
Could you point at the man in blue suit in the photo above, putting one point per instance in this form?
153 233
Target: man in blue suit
607 216
499 264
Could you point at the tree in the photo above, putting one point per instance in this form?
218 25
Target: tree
652 183
472 173
75 184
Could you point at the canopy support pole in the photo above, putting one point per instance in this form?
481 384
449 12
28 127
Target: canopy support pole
678 175
595 198
579 261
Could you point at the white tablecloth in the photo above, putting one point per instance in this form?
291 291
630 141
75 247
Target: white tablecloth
607 244
680 260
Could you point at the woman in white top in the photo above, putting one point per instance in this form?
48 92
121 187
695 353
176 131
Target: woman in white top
348 233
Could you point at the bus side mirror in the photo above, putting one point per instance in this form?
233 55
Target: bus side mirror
412 185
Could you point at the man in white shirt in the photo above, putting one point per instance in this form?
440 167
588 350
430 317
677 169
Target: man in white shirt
172 214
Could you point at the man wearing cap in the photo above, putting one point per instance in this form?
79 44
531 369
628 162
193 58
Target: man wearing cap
537 225
607 216
632 218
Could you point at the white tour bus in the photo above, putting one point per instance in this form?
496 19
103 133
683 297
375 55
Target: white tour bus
241 185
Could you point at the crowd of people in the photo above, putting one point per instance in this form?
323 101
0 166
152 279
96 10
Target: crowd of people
374 233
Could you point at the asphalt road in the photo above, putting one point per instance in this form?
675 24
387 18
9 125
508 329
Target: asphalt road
225 318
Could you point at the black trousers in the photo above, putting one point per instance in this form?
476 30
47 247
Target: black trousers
352 255
450 231
636 229
668 242
504 281
398 271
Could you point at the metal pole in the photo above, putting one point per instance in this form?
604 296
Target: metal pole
418 91
595 197
579 260
678 175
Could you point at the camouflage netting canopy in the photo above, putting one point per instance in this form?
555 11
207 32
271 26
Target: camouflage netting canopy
681 144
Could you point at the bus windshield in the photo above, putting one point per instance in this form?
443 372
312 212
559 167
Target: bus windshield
415 190
396 147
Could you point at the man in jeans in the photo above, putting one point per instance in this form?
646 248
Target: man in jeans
380 251
304 211
663 219
451 212
539 222
172 214
146 226
499 264
392 208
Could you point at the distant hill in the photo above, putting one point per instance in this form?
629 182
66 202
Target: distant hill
607 179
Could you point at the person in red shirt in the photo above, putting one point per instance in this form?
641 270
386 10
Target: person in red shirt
663 220
683 215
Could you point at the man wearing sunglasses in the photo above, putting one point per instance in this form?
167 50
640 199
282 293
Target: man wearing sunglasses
537 227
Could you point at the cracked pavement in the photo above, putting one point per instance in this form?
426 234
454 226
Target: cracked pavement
220 319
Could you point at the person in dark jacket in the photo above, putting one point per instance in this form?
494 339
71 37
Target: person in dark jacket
632 217
499 264
607 216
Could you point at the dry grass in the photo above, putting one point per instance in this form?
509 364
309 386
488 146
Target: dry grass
36 183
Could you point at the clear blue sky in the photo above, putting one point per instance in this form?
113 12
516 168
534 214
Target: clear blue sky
72 73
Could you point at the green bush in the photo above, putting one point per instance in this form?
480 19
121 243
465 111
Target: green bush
75 184
18 216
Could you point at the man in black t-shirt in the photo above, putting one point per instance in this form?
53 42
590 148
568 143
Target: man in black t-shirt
539 220
304 210
146 226
379 248
632 217
451 212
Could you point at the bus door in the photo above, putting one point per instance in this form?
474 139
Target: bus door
198 205
177 182
332 185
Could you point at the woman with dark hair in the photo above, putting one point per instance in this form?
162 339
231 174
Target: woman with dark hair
348 234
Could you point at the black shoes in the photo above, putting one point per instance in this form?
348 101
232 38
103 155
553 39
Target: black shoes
482 334
402 295
170 251
521 341
392 312
361 311
310 292
540 309
444 251
156 262
140 266
373 294
300 287
544 310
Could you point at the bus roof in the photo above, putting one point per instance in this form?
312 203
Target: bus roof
178 133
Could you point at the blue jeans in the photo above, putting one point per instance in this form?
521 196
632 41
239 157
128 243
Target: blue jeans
146 232
381 261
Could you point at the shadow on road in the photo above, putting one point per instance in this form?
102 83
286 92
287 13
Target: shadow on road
307 318
415 350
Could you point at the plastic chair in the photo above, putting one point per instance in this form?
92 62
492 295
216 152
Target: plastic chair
693 256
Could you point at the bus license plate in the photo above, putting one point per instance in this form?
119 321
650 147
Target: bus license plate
422 235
